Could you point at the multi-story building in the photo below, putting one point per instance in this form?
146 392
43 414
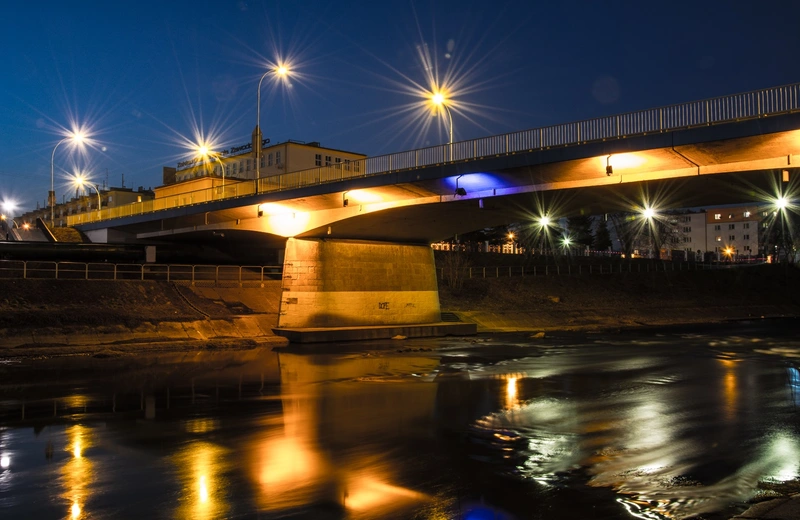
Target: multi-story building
239 161
84 202
727 232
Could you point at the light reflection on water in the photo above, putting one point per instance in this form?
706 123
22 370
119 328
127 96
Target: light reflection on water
666 427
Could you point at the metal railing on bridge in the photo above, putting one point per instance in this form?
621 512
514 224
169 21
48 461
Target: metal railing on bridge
579 269
724 109
212 275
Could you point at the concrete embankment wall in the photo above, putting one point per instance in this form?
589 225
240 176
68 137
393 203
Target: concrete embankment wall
82 316
48 314
623 300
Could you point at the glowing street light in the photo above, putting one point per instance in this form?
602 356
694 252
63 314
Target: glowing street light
74 138
204 152
544 221
439 100
281 71
649 214
81 182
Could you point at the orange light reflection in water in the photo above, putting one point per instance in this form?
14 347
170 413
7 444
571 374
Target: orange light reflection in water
291 469
77 474
199 466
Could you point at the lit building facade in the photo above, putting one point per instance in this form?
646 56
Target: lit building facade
240 164
86 201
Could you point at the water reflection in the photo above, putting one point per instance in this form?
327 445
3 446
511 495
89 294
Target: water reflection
77 474
200 468
655 429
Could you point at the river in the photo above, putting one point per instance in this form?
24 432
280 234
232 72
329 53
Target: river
658 424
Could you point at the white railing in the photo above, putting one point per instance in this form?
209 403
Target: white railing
725 109
178 273
581 269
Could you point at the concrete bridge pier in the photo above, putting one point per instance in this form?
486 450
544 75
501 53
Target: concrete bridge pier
339 290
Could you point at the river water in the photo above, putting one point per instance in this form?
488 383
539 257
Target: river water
662 424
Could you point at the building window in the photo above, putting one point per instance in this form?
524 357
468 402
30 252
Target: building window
687 229
233 169
270 159
241 166
263 158
747 248
746 225
717 216
357 166
716 227
732 237
318 159
718 239
745 237
248 164
338 160
347 164
731 226
746 214
327 160
277 158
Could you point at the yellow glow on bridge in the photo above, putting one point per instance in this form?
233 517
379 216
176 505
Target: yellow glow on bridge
621 161
364 196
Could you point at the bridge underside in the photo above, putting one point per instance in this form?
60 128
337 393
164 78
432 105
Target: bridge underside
422 207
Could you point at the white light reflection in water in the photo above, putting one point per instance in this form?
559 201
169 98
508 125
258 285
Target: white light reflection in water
639 444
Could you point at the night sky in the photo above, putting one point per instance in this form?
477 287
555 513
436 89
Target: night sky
146 78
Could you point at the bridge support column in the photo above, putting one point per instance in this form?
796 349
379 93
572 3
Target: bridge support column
349 283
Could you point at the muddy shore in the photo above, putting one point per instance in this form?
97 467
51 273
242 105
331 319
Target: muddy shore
44 318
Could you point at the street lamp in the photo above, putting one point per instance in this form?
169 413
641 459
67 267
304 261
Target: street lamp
75 138
649 215
205 153
440 101
282 71
781 204
82 182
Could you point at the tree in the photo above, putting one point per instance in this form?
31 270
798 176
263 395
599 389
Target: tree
602 237
580 230
626 229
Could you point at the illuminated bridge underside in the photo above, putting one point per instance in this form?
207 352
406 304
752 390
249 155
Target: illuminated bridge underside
725 164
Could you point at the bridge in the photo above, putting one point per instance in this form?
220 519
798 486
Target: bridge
356 236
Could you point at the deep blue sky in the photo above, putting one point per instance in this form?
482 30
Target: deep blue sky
143 75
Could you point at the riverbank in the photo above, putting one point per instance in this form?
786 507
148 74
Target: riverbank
40 318
68 317
625 300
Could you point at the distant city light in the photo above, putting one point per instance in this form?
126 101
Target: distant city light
544 221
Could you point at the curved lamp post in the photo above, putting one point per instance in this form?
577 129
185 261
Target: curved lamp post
281 71
76 138
82 182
